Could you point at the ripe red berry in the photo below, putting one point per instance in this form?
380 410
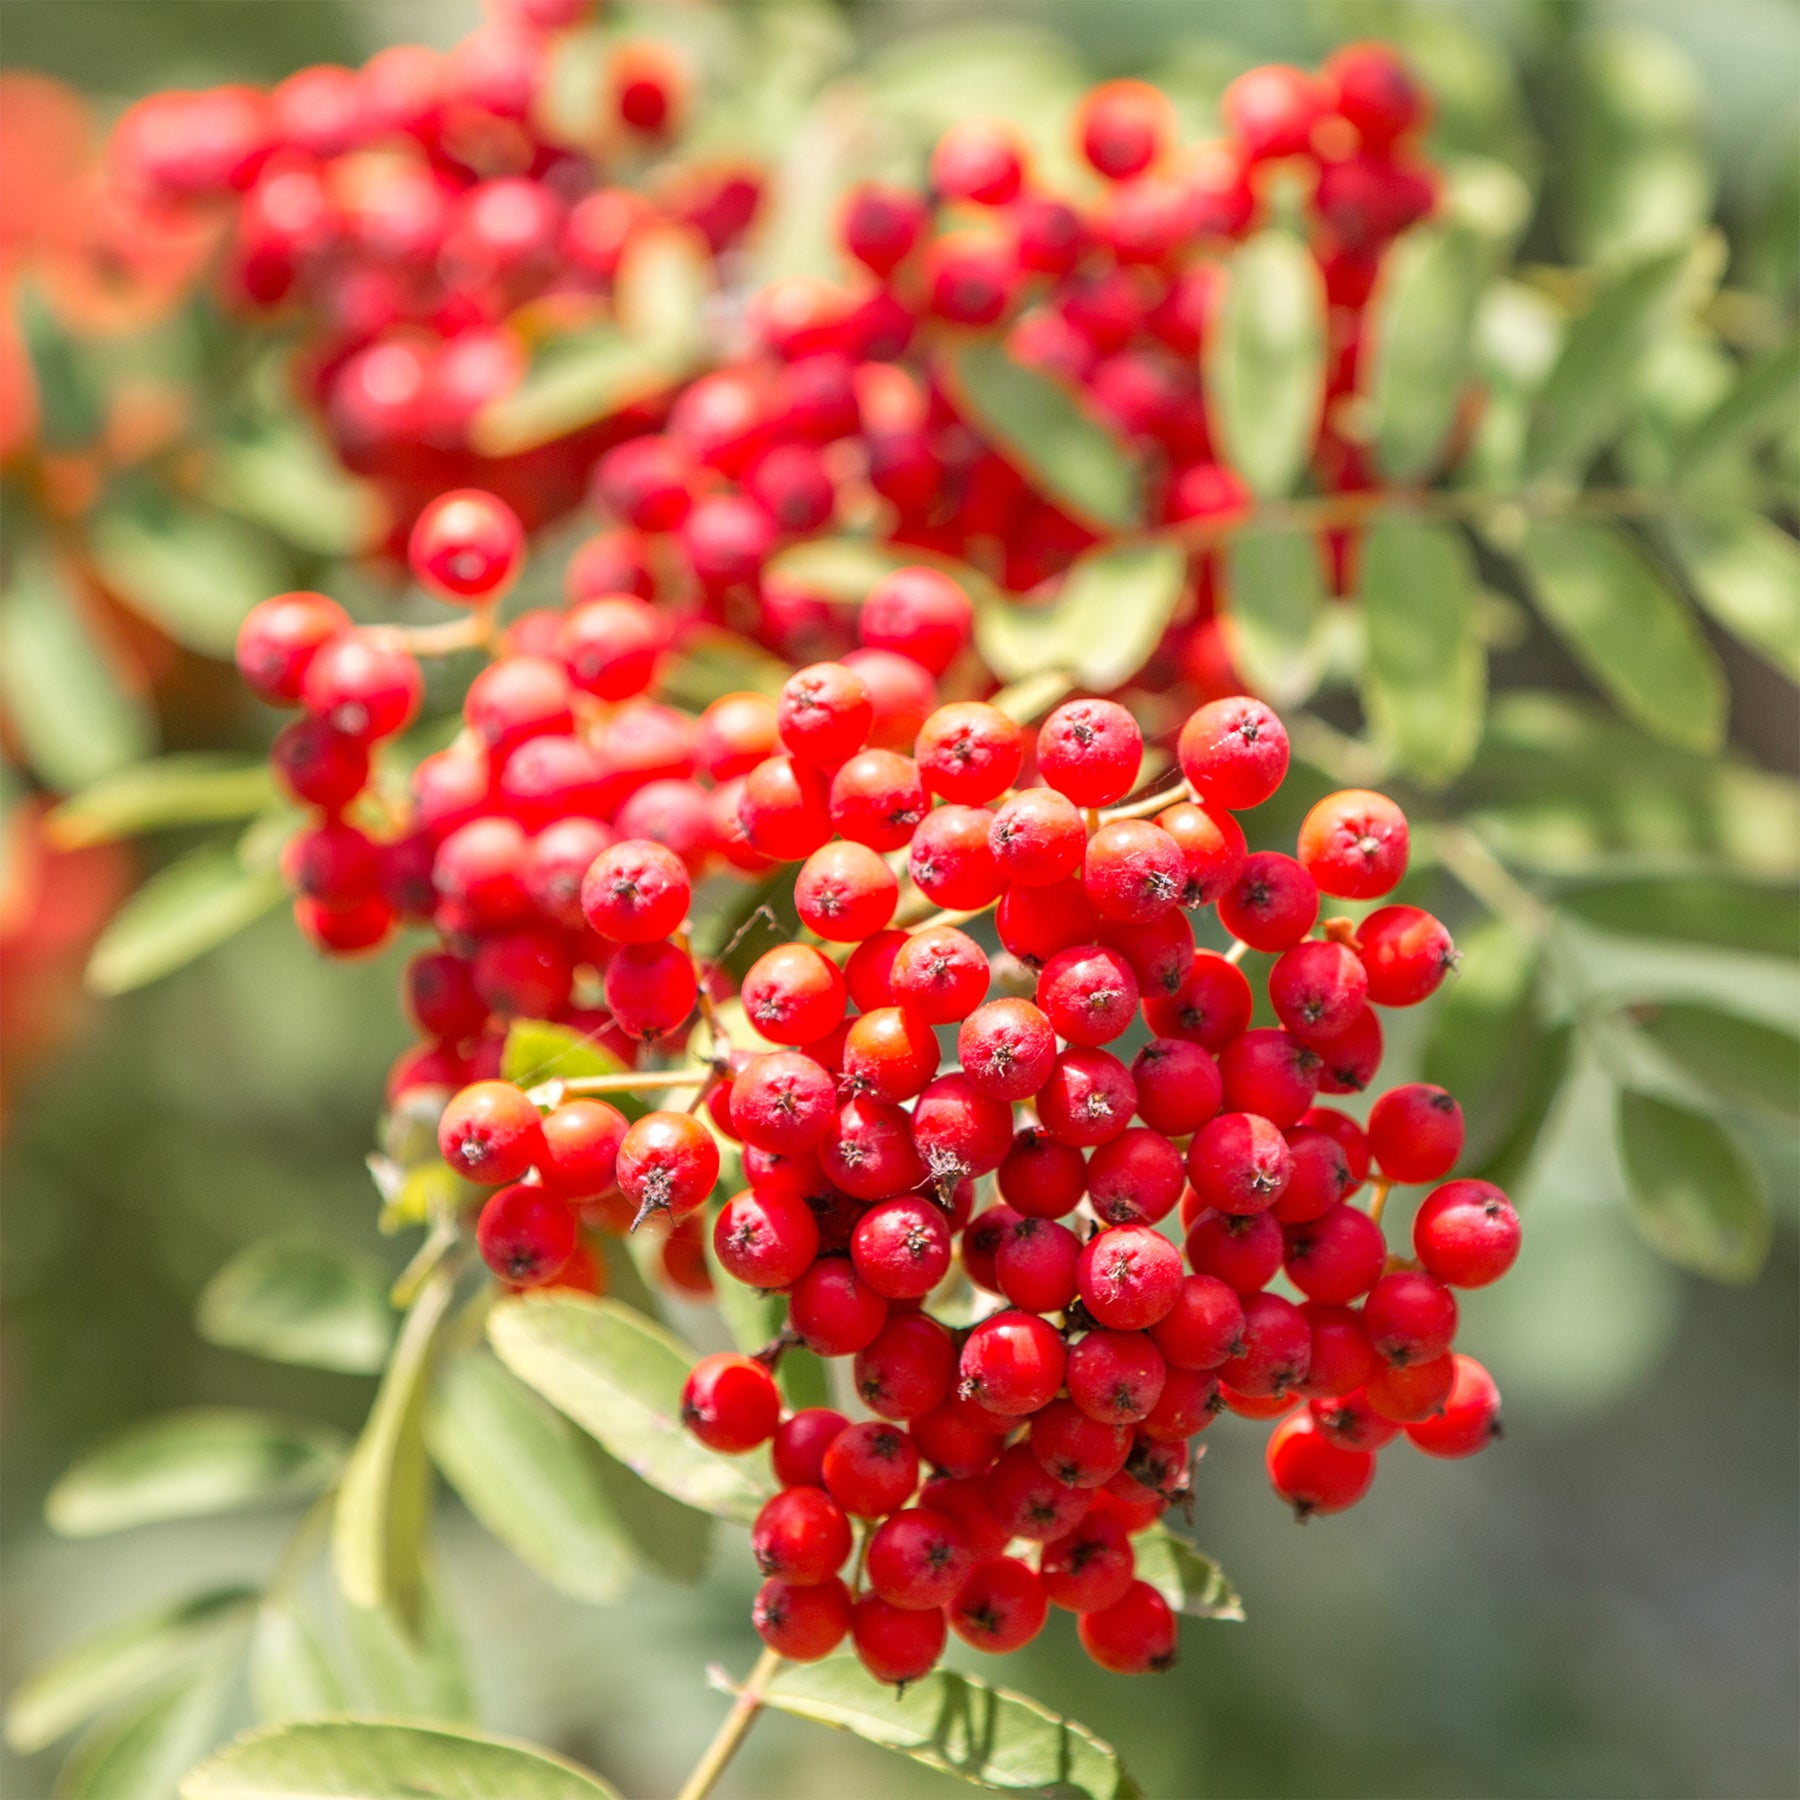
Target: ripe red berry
1212 849
1087 1099
1031 1502
1320 1178
901 1247
1037 837
490 1133
969 753
1129 1277
466 547
783 809
1313 1474
802 1623
1336 1257
1203 1328
1272 111
1033 923
650 989
1270 1074
581 1148
1470 1418
1243 1251
953 1444
878 799
977 160
526 1235
1116 1377
940 974
1273 903
1354 844
824 715
1090 751
1406 952
1349 1060
918 613
1178 1087
870 1469
730 1403
846 893
801 1441
1001 1607
1007 1049
1134 872
835 1312
1466 1233
1277 1349
668 1163
279 638
765 1238
1123 127
783 1102
1090 1568
894 1643
917 1558
1239 1163
801 1537
1089 994
1415 1132
1135 1179
1012 1363
1410 1317
793 994
635 893
1317 990
1234 753
1136 1635
364 685
950 861
1373 89
870 1151
881 225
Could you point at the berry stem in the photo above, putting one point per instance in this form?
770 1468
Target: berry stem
731 1733
476 632
646 1081
1379 1199
1238 951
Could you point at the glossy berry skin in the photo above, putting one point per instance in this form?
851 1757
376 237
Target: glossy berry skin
1089 994
279 638
1212 849
1029 1501
917 1558
1410 1317
1372 88
1277 1349
940 974
1272 905
800 1443
1415 1132
1234 753
919 613
896 1644
1466 1233
1116 1377
1035 1266
835 1312
1239 1163
1354 844
526 1236
1007 1049
1129 1277
1243 1251
1337 1257
950 860
1012 1363
668 1163
1136 1635
793 995
1037 837
490 1133
363 685
1348 1061
730 1403
1178 1086
824 715
969 753
1080 1451
1270 1075
1135 1179
1408 1392
635 893
802 1624
1134 872
783 1102
1313 1474
466 547
801 1537
1091 1567
1203 1328
901 1247
870 1469
1090 751
1087 1099
650 989
1407 954
581 1148
1001 1607
1350 1421
766 1238
1317 990
1123 127
1470 1418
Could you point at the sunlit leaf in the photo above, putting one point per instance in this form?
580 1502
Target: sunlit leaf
75 720
1275 612
1695 1194
1628 628
1585 396
300 1303
1425 674
278 472
709 663
1190 1580
1265 368
538 1051
1422 320
194 788
845 569
1761 400
355 1759
119 1662
1101 625
183 1465
1745 571
399 1670
290 1669
378 1527
1040 426
180 913
528 1476
619 1377
141 1752
959 1725
193 571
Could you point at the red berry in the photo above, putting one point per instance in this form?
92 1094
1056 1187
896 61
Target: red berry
1087 1099
917 1558
824 715
1470 1418
1415 1133
1272 110
783 809
953 1444
783 1102
650 989
940 974
1372 88
1234 753
1007 1049
364 685
1012 1363
1203 1328
1212 849
1336 1257
846 893
901 1247
765 1238
1116 1377
1001 1607
801 1537
1317 990
1349 1060
1090 750
977 160
1212 1005
793 994
730 1403
802 1623
490 1133
1353 844
800 1445
279 638
878 799
870 1469
1029 1501
1466 1233
1320 1177
1239 1163
1135 1179
835 1312
950 861
635 893
1178 1087
1407 954
1136 1635
1270 1074
870 1151
896 1644
918 613
1037 837
1313 1474
969 752
1134 871
526 1235
1273 903
581 1148
1351 1422
1129 1277
1091 1567
1123 127
1088 994
1410 1317
1277 1349
467 546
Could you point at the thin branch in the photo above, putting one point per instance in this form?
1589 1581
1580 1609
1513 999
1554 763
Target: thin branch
731 1733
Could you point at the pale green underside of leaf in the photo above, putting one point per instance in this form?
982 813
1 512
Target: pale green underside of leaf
300 1303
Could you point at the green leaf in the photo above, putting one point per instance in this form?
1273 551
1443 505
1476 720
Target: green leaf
190 570
1031 696
415 1673
660 293
187 1464
1484 1036
1631 631
189 789
1190 1580
1045 431
710 663
74 719
300 1303
1745 571
1697 909
959 1725
71 405
142 1752
1275 613
1561 786
1738 1059
573 381
1507 1164
180 913
670 1538
1584 398
619 1377
1423 321
354 1759
384 1499
1101 625
1425 675
116 1664
754 1319
845 569
1265 370
527 1475
1695 1195
1758 404
537 1051
278 473
291 1676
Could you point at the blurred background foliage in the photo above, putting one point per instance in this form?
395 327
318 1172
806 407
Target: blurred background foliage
1605 1606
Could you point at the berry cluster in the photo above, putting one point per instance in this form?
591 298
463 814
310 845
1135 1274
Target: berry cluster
422 219
843 409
